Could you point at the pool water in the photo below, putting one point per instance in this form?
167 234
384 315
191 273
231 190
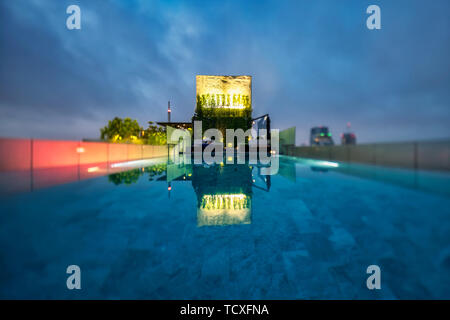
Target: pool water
174 231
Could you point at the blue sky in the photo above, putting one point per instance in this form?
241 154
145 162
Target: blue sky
312 63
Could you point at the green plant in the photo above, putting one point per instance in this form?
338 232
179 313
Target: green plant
121 130
155 135
126 177
224 118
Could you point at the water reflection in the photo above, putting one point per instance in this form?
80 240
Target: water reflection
132 176
224 209
427 181
224 193
126 177
318 169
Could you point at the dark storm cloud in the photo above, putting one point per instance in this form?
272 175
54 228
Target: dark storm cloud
312 62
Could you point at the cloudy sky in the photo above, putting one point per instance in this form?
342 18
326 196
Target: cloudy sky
312 63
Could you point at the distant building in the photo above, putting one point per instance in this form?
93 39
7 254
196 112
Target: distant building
320 136
348 138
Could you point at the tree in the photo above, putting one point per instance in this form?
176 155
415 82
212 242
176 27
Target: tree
127 177
121 130
155 135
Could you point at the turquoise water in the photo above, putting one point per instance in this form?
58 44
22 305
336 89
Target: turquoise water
171 231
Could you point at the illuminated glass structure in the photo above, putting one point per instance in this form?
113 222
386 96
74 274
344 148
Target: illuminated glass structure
224 102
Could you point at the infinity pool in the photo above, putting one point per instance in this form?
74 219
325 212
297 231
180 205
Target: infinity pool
174 231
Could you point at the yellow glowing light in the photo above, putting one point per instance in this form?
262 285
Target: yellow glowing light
116 138
92 169
230 145
80 150
228 92
224 209
231 107
224 201
229 159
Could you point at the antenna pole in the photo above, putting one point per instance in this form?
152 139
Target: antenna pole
168 112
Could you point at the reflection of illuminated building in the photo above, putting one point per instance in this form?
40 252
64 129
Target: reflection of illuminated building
224 191
224 194
224 209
